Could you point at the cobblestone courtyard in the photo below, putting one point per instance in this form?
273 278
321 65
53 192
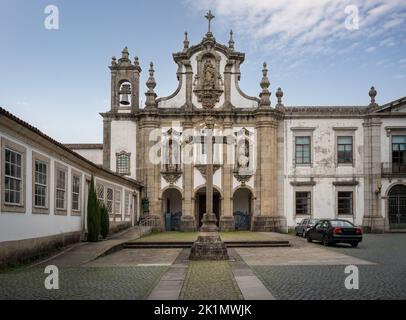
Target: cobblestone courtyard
303 271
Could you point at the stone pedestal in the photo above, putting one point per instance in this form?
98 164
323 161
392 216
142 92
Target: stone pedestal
208 246
187 224
227 223
209 223
373 224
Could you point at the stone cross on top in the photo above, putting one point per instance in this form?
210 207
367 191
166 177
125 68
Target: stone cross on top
209 17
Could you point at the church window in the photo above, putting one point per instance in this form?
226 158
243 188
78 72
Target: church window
117 202
398 154
123 163
302 153
344 149
40 183
100 193
76 192
345 202
13 177
110 200
303 202
60 189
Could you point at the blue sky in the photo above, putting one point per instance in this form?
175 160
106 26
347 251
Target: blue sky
58 80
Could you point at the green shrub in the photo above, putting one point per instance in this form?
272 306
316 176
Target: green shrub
93 214
105 222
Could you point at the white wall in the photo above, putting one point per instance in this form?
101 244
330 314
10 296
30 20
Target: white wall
94 155
324 169
26 225
124 138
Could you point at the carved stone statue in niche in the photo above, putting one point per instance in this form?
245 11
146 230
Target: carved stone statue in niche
209 76
208 84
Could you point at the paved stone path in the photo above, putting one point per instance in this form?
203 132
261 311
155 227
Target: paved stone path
85 252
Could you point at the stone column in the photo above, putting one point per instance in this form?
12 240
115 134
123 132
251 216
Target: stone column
373 220
188 222
227 219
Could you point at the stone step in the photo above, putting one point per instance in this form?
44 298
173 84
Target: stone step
184 244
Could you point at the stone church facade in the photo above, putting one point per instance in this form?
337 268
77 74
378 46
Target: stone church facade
273 164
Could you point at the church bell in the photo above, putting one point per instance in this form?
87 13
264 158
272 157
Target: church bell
124 94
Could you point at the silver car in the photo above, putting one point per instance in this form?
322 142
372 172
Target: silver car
304 226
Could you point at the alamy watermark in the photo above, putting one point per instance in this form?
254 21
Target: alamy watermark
51 21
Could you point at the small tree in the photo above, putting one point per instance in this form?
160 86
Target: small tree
105 222
93 214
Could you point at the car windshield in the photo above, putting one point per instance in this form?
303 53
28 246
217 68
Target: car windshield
313 221
341 223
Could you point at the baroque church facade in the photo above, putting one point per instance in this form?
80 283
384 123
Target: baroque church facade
273 165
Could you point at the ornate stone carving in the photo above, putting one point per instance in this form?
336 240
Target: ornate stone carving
208 83
242 176
202 168
171 174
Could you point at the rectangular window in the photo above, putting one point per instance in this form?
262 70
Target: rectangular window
117 202
344 149
75 193
60 189
302 150
345 202
13 179
100 193
398 154
303 203
40 184
110 200
123 163
127 203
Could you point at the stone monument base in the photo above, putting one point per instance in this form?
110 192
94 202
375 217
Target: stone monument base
208 246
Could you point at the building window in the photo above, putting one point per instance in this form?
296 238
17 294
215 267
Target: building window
123 163
303 203
127 203
345 202
110 200
344 150
75 193
60 202
100 193
117 202
13 179
302 147
40 183
399 153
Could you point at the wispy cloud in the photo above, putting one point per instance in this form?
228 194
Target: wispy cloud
300 27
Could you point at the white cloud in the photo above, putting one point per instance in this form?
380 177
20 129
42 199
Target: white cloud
302 27
370 49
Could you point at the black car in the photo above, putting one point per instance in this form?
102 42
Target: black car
330 231
304 226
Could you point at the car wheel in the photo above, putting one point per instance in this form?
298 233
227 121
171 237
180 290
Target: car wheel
326 242
354 244
297 233
304 234
308 238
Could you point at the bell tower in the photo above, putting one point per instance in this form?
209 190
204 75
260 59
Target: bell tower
125 83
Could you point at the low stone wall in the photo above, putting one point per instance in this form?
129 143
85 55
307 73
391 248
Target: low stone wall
13 253
119 226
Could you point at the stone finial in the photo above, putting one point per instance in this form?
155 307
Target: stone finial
136 62
265 94
151 84
124 53
372 94
113 61
279 95
186 42
231 41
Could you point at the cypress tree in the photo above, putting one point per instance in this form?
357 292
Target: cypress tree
105 222
93 214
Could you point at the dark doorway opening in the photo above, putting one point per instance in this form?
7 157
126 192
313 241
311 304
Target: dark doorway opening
201 204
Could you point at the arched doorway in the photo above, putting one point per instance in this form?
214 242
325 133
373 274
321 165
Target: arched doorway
242 208
172 208
200 204
397 207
